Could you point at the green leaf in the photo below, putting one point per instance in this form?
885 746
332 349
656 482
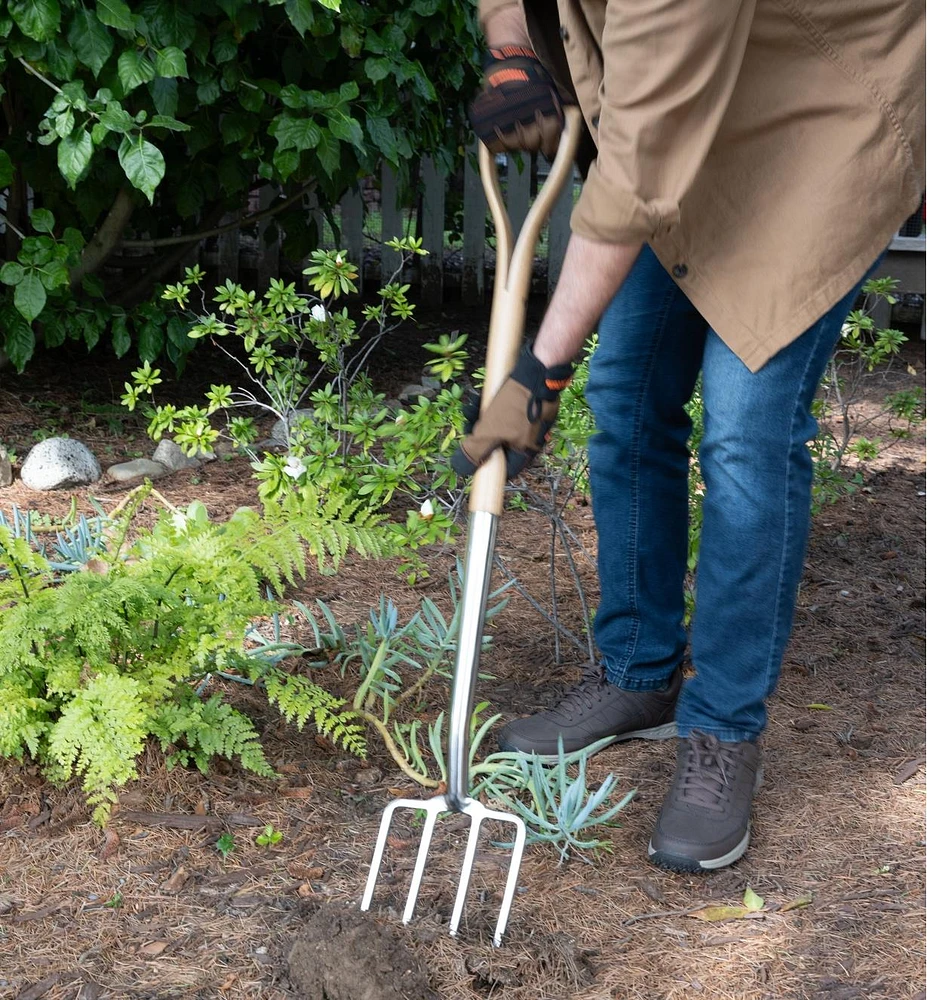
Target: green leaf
143 164
6 169
286 161
134 69
298 133
347 128
237 125
329 153
62 62
170 62
38 19
384 138
64 123
19 343
122 339
117 119
817 706
42 220
11 273
116 14
377 69
169 22
164 95
91 42
150 342
74 155
752 901
209 92
29 297
166 121
349 91
301 14
73 239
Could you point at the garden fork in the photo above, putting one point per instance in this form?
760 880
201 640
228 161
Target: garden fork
506 326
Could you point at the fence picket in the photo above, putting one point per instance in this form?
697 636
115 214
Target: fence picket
432 267
558 235
390 222
517 189
352 230
472 277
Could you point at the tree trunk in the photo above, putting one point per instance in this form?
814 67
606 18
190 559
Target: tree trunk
106 238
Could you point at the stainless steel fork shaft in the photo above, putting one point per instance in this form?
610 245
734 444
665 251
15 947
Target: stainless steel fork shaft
481 539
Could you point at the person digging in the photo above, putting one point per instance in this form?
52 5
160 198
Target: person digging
746 163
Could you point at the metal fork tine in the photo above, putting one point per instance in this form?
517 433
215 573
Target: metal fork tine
511 882
380 846
465 873
427 831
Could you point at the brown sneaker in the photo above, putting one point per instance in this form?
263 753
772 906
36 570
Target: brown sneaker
705 820
594 710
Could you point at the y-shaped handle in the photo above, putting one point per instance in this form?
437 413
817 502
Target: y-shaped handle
506 326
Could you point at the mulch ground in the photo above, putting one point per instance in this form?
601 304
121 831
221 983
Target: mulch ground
149 909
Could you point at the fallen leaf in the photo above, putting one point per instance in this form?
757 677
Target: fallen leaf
908 769
300 792
305 890
153 948
752 901
817 706
397 843
110 843
803 725
176 881
795 904
200 808
229 982
716 913
40 988
304 873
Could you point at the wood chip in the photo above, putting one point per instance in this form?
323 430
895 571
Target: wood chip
243 819
173 821
153 948
908 770
176 882
40 988
41 914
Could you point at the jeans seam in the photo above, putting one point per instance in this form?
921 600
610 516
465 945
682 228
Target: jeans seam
634 514
789 519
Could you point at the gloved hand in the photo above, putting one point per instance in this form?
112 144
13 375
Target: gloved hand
518 419
519 107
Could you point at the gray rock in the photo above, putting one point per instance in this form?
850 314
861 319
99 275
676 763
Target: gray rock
410 393
169 454
59 463
278 433
430 382
138 468
6 469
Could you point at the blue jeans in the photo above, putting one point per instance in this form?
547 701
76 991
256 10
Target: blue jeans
757 473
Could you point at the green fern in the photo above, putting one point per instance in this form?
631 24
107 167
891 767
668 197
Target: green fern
200 730
298 699
92 664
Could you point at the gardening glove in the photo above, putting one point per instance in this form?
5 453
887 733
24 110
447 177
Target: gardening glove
518 419
519 106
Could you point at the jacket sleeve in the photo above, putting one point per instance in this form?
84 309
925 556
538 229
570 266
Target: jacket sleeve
669 71
489 7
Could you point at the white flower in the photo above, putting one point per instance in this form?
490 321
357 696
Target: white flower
319 312
294 467
338 259
427 510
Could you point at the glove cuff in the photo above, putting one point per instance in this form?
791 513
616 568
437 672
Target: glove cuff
541 382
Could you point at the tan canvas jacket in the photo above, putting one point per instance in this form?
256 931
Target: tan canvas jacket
766 149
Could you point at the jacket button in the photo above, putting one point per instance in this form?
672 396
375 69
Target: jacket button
680 270
564 34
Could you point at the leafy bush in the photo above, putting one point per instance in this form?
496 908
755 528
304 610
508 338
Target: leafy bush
140 125
304 353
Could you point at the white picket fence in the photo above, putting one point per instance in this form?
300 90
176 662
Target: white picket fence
368 217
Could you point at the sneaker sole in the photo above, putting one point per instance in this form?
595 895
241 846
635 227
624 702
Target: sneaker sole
681 863
665 732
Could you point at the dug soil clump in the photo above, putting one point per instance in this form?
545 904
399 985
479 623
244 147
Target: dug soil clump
344 954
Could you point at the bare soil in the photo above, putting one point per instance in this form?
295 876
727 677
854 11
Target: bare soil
149 909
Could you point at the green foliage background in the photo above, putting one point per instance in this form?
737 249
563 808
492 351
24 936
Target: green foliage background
153 118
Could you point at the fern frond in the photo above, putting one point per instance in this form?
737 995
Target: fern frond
298 699
201 730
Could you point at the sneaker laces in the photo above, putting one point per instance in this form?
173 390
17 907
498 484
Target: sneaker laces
709 771
584 695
